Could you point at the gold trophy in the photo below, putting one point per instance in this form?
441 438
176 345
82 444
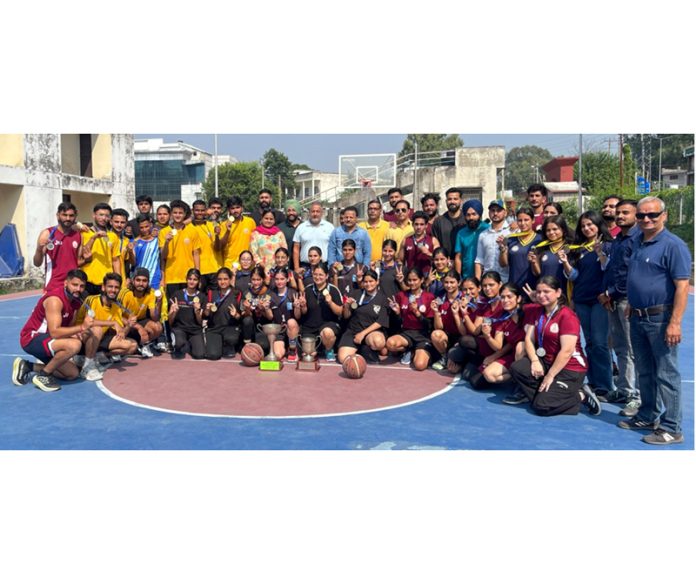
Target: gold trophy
271 362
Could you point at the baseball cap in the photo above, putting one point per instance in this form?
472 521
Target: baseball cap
496 203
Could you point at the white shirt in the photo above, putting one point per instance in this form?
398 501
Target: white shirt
488 252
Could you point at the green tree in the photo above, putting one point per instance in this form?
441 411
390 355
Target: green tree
672 151
430 143
601 175
521 163
242 179
279 172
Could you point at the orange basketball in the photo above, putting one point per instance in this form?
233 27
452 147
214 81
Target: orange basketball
251 354
355 366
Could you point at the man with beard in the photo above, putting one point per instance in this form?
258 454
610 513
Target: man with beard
395 195
144 205
609 214
537 197
180 248
100 249
145 306
119 223
292 220
108 332
467 238
59 248
430 203
214 209
209 237
489 249
615 301
315 232
236 232
51 336
445 226
376 227
265 203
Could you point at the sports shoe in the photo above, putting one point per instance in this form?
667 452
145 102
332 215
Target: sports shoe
613 396
161 346
516 399
91 372
440 364
406 358
292 354
21 368
101 358
330 355
146 351
79 361
115 359
45 382
636 424
591 402
631 408
663 437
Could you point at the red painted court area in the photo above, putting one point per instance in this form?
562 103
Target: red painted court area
227 388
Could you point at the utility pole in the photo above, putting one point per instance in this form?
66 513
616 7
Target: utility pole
621 161
642 156
580 202
216 168
415 170
659 168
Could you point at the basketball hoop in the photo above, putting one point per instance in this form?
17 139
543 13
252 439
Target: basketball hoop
366 183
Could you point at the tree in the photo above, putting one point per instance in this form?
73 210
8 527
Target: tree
601 175
430 143
521 164
242 179
649 147
279 172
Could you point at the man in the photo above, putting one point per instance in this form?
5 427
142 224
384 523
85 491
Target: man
265 203
609 214
180 248
430 203
108 332
402 227
376 227
615 301
142 303
146 252
59 248
466 243
236 232
209 237
214 209
315 232
51 335
119 222
100 249
395 195
349 230
144 205
488 249
445 227
292 220
537 197
657 286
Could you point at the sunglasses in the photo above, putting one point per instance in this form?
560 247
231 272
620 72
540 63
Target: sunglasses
654 215
400 210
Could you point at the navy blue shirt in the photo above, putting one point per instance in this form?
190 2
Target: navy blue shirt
520 271
653 267
589 281
551 266
617 267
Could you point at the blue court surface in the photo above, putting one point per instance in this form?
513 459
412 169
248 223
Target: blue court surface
82 417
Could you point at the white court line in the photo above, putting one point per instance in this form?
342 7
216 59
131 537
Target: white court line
12 317
106 390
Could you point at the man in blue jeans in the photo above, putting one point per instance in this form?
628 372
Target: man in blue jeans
657 287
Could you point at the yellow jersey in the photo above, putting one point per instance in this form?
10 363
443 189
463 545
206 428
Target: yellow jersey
240 236
103 253
180 257
137 306
398 234
101 312
210 262
377 233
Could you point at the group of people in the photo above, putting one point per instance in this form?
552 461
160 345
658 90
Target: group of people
501 301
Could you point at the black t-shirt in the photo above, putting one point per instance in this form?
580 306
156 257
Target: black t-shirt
318 311
241 281
282 306
369 310
279 216
387 280
186 319
348 278
222 318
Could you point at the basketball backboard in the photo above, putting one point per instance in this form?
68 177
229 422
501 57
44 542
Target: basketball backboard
358 170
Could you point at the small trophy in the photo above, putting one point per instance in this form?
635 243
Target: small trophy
309 354
271 362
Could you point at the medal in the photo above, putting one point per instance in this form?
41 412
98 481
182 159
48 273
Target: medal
353 305
196 300
236 266
50 246
421 308
174 232
158 294
541 352
213 308
325 292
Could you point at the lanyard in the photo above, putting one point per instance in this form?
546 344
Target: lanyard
503 318
369 299
543 323
186 298
221 299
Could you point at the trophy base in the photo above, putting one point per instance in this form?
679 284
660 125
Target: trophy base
307 365
270 365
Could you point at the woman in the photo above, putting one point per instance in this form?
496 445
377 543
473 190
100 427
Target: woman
474 314
285 311
186 318
543 258
391 281
551 373
441 266
448 319
552 209
282 260
584 267
321 305
241 271
315 258
265 240
162 217
417 249
367 318
223 312
502 336
415 310
515 248
347 274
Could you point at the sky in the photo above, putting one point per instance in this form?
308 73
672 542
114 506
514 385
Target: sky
321 151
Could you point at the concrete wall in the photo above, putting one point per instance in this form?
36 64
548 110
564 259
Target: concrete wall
12 149
70 153
13 210
101 155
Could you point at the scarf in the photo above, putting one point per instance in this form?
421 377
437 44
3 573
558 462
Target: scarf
267 230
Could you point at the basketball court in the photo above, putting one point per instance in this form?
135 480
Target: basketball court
164 404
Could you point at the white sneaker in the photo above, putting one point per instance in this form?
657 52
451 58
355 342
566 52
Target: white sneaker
146 351
406 358
91 372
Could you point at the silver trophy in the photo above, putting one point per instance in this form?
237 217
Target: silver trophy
271 362
309 354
